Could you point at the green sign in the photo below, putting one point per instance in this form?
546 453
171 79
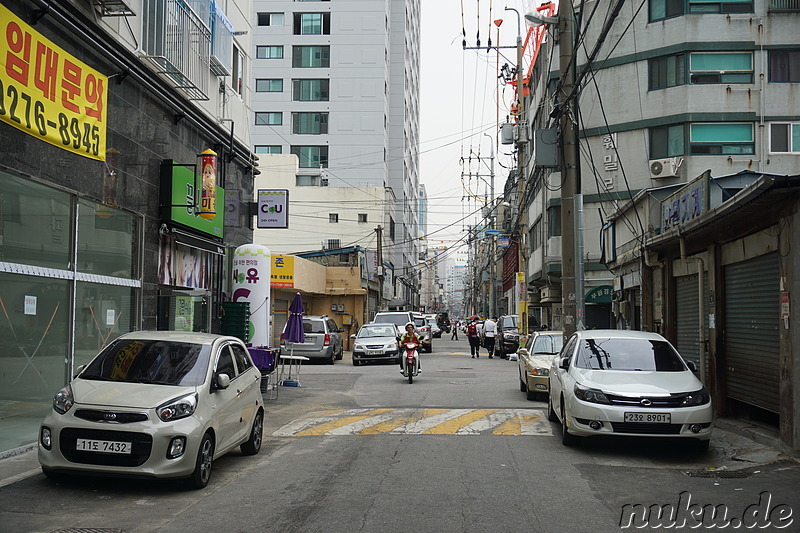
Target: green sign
599 295
185 201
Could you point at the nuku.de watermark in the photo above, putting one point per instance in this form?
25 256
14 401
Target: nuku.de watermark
688 515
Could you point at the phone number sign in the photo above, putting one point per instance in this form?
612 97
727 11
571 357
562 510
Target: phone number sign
48 93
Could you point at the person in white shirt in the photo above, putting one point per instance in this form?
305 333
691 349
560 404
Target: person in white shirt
490 332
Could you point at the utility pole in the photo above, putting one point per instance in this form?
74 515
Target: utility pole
379 234
570 175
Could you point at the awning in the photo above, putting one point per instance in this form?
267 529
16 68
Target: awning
192 241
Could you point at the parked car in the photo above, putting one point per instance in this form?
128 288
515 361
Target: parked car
629 383
401 318
376 342
161 404
436 331
323 340
534 361
507 341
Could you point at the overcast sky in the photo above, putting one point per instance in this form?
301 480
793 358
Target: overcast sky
459 105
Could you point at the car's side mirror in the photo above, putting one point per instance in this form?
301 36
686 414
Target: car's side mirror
78 370
353 336
563 363
692 366
222 381
522 351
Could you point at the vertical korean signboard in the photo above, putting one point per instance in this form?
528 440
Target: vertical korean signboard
49 94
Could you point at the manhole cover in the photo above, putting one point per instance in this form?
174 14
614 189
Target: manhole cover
723 474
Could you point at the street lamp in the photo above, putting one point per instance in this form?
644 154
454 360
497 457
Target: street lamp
534 20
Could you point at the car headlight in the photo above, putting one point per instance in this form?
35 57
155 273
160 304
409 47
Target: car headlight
391 346
536 371
63 400
177 409
700 397
590 395
358 346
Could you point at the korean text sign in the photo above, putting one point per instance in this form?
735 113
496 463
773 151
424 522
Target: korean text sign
48 93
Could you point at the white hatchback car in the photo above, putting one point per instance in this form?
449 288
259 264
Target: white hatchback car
159 404
628 383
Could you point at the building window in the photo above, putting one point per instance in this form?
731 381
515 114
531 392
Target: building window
272 149
535 235
269 86
784 138
721 138
667 141
310 123
311 156
237 70
312 23
554 221
391 228
269 52
362 217
784 66
311 56
269 118
721 67
664 9
667 71
270 19
310 90
333 218
306 181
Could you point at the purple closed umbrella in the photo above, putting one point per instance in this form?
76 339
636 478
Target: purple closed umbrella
294 324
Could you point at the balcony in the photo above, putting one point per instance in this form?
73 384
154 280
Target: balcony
178 43
784 6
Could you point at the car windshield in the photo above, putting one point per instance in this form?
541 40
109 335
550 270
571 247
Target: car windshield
151 361
376 331
547 344
508 322
313 326
628 354
398 320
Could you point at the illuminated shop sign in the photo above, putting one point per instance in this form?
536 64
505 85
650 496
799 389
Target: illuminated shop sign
184 198
48 93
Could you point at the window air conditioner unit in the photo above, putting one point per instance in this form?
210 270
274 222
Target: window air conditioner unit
665 168
323 182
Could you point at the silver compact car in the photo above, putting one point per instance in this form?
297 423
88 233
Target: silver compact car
376 342
627 383
158 404
323 340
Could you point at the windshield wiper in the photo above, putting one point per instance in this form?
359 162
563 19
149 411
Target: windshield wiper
95 378
149 381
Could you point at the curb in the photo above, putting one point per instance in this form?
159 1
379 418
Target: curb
761 434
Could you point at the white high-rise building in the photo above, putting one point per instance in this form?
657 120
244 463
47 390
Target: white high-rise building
336 83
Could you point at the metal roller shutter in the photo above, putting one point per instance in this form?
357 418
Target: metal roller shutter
280 313
751 331
688 310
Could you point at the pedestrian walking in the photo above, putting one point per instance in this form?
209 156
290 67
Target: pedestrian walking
454 336
473 337
489 334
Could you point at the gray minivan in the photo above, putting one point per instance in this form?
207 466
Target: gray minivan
323 340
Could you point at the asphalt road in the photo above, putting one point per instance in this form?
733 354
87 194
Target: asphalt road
358 449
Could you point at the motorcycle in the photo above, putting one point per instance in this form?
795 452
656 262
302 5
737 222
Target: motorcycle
410 361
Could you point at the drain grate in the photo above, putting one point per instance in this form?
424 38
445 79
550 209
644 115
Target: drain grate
721 474
89 530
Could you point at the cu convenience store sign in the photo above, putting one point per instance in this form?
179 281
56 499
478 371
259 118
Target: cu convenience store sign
48 93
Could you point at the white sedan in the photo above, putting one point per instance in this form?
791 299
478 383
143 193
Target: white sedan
628 383
159 404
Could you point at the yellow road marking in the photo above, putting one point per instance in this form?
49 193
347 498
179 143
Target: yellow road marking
446 428
389 425
333 424
514 425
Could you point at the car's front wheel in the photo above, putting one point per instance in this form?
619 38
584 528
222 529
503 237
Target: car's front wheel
253 444
202 468
567 439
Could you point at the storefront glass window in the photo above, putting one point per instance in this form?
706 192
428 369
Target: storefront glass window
106 240
35 224
102 313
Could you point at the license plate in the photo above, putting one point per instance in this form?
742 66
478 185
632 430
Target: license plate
103 446
651 418
374 352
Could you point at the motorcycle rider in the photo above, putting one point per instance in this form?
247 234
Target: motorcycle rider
410 336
